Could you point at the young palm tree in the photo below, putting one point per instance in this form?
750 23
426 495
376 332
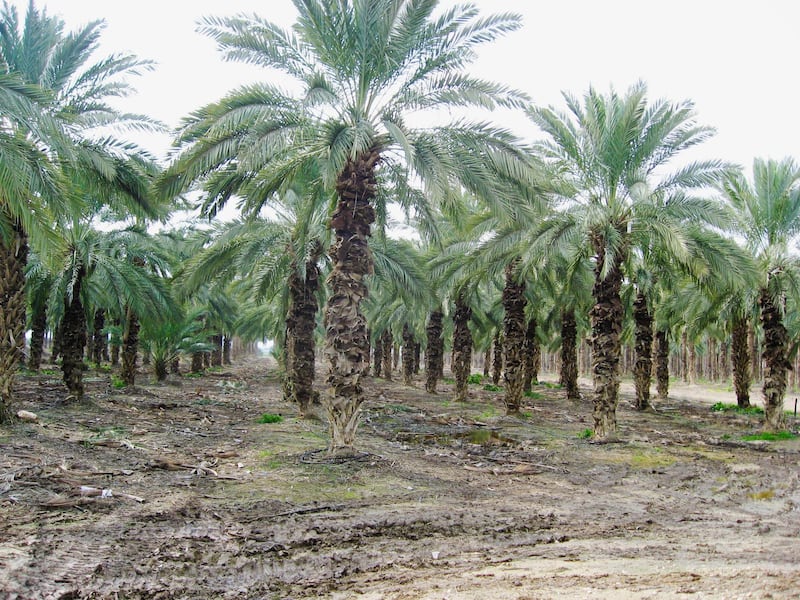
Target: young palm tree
97 268
768 217
615 150
364 68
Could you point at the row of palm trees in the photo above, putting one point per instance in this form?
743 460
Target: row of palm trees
593 228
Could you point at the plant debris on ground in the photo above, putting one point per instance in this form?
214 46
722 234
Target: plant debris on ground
176 491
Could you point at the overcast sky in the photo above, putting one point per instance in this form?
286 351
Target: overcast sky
736 60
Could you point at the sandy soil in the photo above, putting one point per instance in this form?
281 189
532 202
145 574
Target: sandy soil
446 502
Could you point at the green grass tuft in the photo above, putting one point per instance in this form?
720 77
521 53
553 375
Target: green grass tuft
735 408
586 434
269 418
770 437
534 395
490 387
475 378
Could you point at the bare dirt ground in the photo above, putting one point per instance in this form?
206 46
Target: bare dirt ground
447 501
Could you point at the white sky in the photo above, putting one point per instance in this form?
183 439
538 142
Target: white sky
735 59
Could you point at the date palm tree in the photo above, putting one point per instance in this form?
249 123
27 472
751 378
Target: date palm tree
365 70
72 104
768 217
101 267
615 149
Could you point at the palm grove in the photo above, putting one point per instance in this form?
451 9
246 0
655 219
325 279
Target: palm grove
599 231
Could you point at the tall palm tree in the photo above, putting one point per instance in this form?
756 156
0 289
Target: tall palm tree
364 68
615 149
768 217
39 52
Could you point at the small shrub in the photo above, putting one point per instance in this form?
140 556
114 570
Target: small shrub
269 418
770 437
475 378
586 434
490 387
117 383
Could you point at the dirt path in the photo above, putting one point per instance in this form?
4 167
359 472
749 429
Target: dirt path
447 501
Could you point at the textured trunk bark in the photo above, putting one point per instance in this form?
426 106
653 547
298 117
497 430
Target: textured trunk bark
462 348
386 355
74 331
38 330
417 355
434 353
685 357
13 259
216 353
532 354
514 338
752 342
643 368
99 339
160 369
346 343
662 365
497 359
130 348
226 350
740 351
606 316
569 354
487 362
300 324
776 342
408 355
175 366
197 362
377 356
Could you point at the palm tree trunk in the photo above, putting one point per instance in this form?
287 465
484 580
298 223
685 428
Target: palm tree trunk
197 362
377 358
13 259
662 364
532 354
99 339
514 338
740 351
216 353
74 331
776 342
346 343
408 355
130 348
226 350
462 348
606 316
487 361
643 368
387 343
569 354
417 354
497 360
300 324
175 366
38 330
434 353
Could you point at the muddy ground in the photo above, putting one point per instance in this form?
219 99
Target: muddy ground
447 501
